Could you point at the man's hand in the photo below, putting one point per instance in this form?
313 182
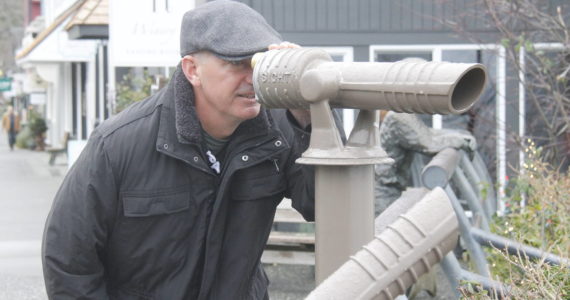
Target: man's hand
283 45
302 116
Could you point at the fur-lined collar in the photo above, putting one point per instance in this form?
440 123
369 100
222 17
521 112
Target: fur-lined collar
188 127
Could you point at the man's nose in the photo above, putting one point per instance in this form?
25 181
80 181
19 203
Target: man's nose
249 76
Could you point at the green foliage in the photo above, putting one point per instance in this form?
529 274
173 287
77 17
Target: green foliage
25 139
473 290
36 123
544 223
132 89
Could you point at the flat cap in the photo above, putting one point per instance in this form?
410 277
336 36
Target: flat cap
231 30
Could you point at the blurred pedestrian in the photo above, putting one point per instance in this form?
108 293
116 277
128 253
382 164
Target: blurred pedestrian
11 124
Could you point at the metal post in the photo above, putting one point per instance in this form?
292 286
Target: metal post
501 117
344 186
344 214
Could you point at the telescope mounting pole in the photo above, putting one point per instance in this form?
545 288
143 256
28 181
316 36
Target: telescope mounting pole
344 186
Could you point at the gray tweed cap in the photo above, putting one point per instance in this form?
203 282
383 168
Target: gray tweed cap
229 29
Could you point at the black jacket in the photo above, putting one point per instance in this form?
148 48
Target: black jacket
141 205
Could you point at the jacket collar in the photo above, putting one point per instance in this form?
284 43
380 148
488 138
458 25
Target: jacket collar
188 127
179 125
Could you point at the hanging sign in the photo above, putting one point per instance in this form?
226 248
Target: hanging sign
146 32
5 84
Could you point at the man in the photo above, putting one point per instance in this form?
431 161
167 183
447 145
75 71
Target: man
174 198
11 124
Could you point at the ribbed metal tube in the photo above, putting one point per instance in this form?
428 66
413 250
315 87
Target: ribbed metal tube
408 248
294 78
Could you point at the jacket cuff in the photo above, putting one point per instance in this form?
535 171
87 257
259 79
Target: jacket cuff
303 135
295 124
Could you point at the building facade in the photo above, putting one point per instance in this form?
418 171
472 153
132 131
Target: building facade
81 75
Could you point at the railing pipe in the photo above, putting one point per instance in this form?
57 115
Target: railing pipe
452 270
440 169
481 168
472 199
515 248
465 227
496 289
455 274
476 182
469 169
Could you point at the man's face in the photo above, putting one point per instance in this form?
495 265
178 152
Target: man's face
226 87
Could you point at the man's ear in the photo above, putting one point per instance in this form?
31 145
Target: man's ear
190 69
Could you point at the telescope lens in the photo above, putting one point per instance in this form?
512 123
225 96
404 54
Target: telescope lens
468 89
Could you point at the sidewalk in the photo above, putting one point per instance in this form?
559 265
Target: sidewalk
27 187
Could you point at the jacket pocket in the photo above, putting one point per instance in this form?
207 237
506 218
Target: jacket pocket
152 236
258 182
153 205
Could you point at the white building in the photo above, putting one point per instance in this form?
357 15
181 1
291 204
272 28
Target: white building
68 70
74 64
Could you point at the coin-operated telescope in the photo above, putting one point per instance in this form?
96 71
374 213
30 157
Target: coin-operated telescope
309 79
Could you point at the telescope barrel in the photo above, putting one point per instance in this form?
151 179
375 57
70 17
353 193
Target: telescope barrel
294 78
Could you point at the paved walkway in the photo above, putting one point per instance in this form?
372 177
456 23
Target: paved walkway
27 187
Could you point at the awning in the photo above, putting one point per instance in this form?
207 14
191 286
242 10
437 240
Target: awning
54 45
91 21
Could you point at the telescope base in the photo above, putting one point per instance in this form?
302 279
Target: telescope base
344 157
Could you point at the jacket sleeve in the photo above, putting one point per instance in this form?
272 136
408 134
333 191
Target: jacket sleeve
77 227
300 178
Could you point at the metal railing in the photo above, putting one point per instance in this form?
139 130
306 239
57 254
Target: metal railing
457 173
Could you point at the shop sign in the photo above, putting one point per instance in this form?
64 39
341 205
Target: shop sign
38 98
5 84
146 32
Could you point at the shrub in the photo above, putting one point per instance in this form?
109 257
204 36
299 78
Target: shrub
543 222
132 89
25 139
37 125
